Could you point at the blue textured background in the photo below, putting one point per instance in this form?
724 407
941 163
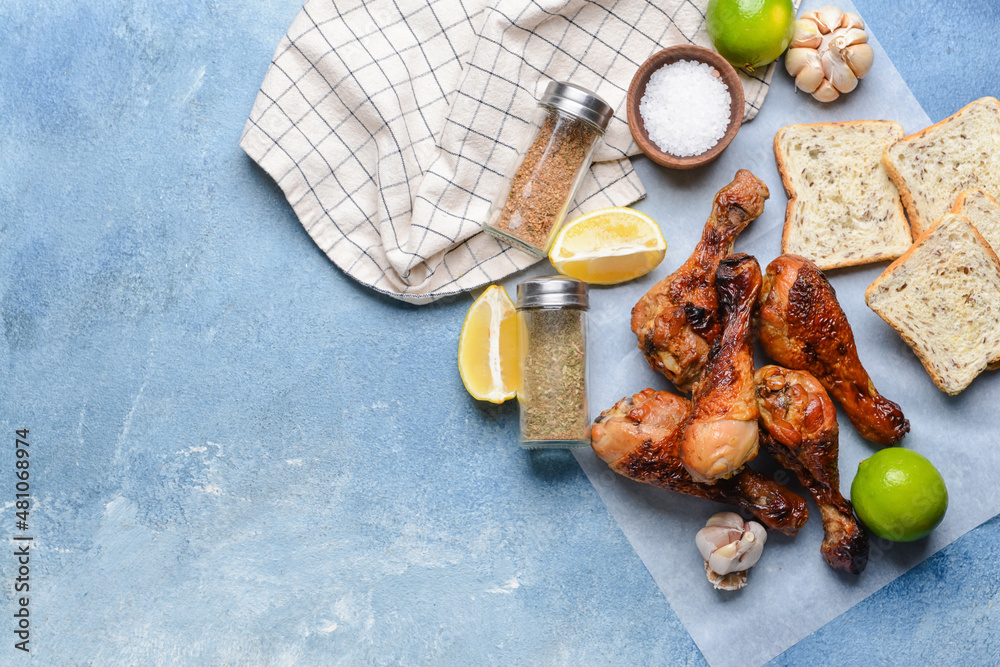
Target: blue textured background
241 456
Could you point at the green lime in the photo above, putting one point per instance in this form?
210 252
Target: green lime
750 33
899 494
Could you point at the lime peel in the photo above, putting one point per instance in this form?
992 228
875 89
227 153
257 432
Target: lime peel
899 494
750 34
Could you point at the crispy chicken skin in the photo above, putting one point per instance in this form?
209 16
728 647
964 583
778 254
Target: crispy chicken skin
722 434
799 430
640 438
676 321
803 327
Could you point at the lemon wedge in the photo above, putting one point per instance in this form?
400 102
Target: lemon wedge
608 246
487 347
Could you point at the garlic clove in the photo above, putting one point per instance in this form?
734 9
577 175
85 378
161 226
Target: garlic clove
728 551
747 540
836 70
798 59
738 555
721 529
812 18
724 560
711 538
826 92
806 35
808 69
848 37
828 18
809 79
859 58
756 536
852 20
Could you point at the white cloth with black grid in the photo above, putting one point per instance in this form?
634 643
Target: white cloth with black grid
389 124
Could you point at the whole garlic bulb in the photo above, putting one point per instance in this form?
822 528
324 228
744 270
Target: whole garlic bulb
730 547
829 53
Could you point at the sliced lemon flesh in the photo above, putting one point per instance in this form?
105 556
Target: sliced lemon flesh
608 246
487 347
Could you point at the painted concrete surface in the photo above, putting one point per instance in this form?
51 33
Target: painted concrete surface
240 456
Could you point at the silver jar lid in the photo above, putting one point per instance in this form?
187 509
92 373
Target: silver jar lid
552 292
578 101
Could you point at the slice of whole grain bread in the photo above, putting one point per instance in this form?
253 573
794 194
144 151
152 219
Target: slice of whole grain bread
842 208
943 298
983 211
933 166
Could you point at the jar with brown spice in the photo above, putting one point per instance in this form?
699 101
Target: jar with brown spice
552 315
568 126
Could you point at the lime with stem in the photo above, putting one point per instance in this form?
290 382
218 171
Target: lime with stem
750 33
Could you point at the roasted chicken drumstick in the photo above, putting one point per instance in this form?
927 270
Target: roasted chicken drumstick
722 434
676 321
640 438
800 432
803 327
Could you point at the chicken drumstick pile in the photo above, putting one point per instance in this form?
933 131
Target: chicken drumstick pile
695 327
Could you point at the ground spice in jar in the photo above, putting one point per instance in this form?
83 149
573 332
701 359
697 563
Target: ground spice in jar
531 206
541 188
553 393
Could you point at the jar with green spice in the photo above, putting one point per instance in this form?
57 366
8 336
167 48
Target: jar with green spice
552 315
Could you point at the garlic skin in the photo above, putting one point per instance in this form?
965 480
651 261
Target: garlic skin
829 53
730 547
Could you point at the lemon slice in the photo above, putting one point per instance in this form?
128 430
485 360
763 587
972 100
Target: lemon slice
487 347
608 246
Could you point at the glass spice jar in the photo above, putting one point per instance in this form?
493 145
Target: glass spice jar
552 317
568 126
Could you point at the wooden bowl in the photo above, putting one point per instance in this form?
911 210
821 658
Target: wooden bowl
638 88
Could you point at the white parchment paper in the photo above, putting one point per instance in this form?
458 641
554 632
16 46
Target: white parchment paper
792 591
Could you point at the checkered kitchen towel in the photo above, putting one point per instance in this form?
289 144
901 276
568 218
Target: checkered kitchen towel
390 125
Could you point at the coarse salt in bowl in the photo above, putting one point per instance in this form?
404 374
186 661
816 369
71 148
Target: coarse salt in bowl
685 108
685 105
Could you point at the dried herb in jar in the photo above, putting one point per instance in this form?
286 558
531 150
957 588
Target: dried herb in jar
554 396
